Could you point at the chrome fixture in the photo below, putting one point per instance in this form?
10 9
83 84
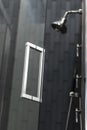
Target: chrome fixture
77 80
78 49
60 24
77 112
73 94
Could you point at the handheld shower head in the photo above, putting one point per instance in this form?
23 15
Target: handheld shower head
60 24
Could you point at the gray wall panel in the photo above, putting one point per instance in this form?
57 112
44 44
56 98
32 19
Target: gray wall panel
30 29
27 19
59 66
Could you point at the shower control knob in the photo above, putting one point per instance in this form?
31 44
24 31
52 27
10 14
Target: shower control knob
77 79
77 112
77 49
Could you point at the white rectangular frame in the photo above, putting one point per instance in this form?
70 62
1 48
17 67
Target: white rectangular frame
29 45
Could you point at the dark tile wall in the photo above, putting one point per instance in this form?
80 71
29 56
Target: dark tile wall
59 66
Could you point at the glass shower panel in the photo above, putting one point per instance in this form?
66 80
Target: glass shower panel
32 21
29 27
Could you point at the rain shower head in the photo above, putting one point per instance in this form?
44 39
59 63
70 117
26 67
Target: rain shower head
60 24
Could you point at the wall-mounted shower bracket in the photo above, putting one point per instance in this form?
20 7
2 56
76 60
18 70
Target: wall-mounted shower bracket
73 94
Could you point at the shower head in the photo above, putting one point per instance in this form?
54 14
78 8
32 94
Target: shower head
60 24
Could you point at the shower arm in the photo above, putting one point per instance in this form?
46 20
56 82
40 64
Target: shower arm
79 11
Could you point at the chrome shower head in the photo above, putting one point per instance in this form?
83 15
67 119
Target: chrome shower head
60 24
